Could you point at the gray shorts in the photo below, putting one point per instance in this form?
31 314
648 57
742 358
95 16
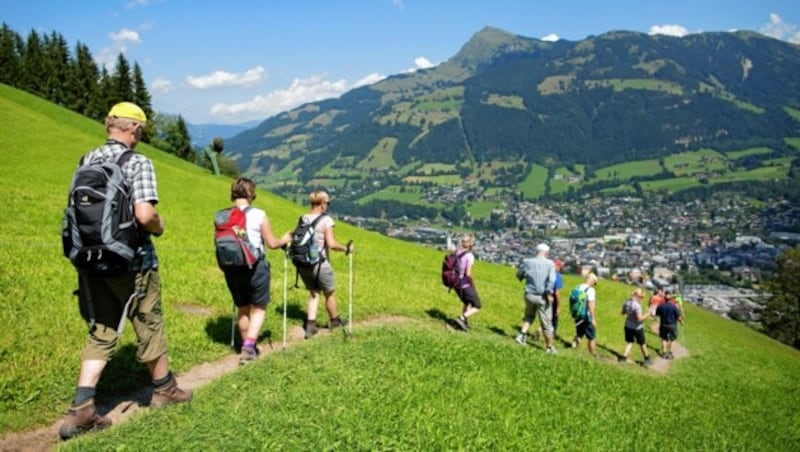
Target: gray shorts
537 304
318 278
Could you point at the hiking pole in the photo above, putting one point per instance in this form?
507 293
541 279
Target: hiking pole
233 321
350 281
285 283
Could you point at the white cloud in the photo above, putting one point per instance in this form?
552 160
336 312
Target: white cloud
301 91
779 29
107 56
125 35
223 78
161 85
552 37
368 80
669 30
420 63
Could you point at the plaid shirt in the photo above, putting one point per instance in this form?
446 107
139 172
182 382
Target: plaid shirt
539 274
141 179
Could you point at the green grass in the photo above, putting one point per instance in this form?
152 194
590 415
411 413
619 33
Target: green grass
690 163
410 195
746 152
534 184
793 142
482 209
393 385
624 171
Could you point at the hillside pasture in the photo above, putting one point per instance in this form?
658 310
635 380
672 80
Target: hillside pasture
406 194
695 162
534 184
381 156
625 171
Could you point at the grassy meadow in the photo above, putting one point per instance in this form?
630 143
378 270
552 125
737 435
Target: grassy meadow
402 381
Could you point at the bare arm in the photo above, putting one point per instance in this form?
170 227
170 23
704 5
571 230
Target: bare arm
148 218
269 237
331 243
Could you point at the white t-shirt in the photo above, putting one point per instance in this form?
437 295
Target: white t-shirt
319 230
255 217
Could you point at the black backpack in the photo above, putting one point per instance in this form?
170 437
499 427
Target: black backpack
303 251
99 232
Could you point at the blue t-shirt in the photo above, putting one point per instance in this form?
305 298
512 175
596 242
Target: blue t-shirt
559 282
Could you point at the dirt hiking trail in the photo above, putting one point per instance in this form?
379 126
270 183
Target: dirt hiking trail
119 409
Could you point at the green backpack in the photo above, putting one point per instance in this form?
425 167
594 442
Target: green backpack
578 302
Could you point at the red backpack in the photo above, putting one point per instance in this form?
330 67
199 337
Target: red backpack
232 248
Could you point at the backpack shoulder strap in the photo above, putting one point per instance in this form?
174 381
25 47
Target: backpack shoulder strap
316 220
124 157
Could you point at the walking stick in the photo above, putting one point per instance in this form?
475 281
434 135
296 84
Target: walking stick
233 321
350 281
285 283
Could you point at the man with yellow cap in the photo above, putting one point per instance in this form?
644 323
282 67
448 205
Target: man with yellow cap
135 293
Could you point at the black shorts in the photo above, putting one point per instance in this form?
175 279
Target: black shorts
249 286
631 335
583 327
668 332
469 296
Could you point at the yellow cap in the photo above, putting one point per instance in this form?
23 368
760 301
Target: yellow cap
593 277
128 110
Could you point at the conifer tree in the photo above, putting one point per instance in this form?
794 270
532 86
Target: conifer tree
141 97
121 81
57 75
10 61
33 66
85 79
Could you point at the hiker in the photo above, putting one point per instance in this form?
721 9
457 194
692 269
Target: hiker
586 322
634 326
540 277
104 297
656 299
559 264
249 287
670 316
319 278
471 302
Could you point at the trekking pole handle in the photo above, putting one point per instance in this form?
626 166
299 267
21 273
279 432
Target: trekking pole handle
348 247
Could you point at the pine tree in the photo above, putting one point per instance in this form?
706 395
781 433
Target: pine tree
104 97
141 97
57 61
121 81
183 143
10 60
85 79
781 315
34 74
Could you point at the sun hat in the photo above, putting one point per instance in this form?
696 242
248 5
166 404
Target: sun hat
593 277
128 110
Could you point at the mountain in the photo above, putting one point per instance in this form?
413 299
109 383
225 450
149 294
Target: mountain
203 134
523 104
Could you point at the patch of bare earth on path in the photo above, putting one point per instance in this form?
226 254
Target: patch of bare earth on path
119 409
662 365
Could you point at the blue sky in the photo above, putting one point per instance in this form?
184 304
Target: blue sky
241 60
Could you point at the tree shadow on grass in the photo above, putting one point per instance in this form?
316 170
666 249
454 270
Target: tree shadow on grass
616 354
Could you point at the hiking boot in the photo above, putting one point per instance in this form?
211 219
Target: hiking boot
551 350
621 359
461 323
311 328
170 393
670 355
249 354
337 322
574 344
521 339
81 419
648 361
